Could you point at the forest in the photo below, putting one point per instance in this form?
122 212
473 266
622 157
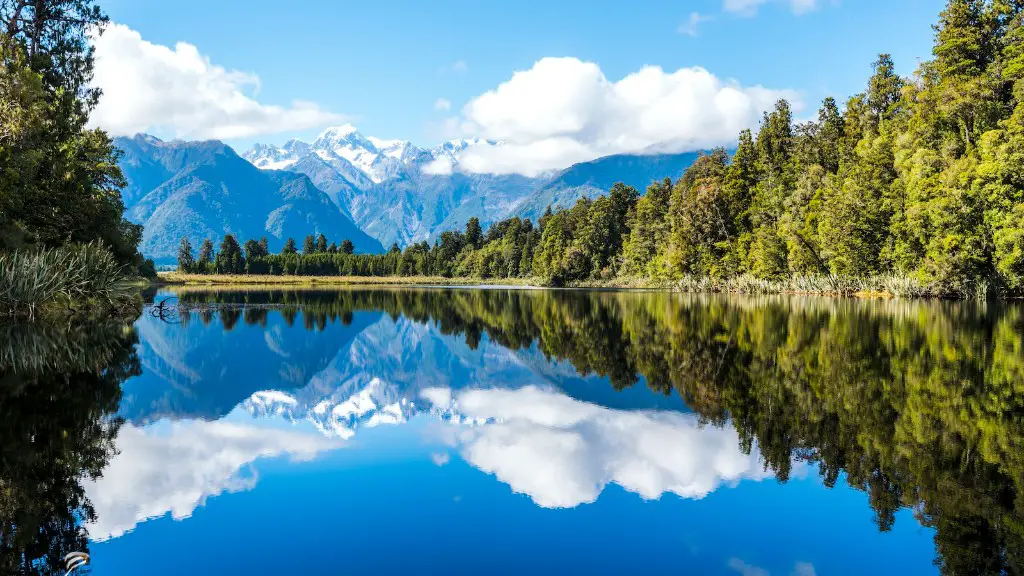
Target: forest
913 186
64 241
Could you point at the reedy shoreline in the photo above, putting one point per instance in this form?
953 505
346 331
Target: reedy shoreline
890 286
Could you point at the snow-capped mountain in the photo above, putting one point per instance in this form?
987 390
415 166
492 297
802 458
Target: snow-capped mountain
269 157
398 192
363 161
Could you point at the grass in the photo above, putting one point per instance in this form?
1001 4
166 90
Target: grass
882 286
70 278
245 279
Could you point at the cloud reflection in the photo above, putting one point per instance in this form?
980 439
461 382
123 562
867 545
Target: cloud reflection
161 469
562 452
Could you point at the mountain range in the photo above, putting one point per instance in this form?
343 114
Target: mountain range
204 190
372 191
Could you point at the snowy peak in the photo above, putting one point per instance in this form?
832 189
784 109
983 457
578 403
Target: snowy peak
269 157
341 138
350 152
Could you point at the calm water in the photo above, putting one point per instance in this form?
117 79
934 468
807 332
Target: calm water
458 431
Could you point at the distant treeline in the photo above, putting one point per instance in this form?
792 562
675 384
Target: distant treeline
920 179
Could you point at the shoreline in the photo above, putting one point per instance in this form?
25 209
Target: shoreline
876 288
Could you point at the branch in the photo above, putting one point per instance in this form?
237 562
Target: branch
16 17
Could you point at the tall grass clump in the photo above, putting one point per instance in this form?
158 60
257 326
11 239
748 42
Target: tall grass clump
71 276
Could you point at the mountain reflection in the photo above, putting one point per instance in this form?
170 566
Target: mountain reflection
919 404
557 394
59 391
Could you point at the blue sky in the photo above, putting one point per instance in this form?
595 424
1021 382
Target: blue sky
384 66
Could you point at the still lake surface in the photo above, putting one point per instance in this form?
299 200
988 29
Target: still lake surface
509 431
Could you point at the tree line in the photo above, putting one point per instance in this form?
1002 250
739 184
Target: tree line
918 178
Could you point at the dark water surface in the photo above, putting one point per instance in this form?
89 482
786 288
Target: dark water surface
511 431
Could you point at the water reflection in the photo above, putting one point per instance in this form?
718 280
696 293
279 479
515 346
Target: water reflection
919 404
562 452
559 395
59 391
174 469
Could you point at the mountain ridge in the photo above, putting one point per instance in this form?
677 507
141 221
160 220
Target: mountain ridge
204 190
370 190
400 193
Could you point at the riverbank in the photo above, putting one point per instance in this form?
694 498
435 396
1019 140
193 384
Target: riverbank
180 279
891 286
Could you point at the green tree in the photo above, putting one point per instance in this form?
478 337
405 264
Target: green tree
347 247
321 243
289 247
205 256
648 230
229 257
474 234
309 245
62 183
186 260
253 249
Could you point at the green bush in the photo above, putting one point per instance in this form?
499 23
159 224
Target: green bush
33 279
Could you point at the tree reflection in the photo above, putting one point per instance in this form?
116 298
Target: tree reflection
59 389
918 404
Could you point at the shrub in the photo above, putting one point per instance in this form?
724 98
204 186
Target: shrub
31 279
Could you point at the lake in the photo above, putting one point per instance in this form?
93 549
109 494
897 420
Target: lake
429 430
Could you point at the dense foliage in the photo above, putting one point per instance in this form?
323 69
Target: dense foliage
81 276
59 180
918 404
58 404
918 180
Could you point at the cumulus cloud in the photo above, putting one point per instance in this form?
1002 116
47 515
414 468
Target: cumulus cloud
749 7
177 91
564 110
158 471
689 27
562 452
442 104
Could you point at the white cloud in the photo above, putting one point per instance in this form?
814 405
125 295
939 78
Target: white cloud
562 452
158 471
749 7
692 22
179 92
746 569
440 458
443 104
563 110
439 167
